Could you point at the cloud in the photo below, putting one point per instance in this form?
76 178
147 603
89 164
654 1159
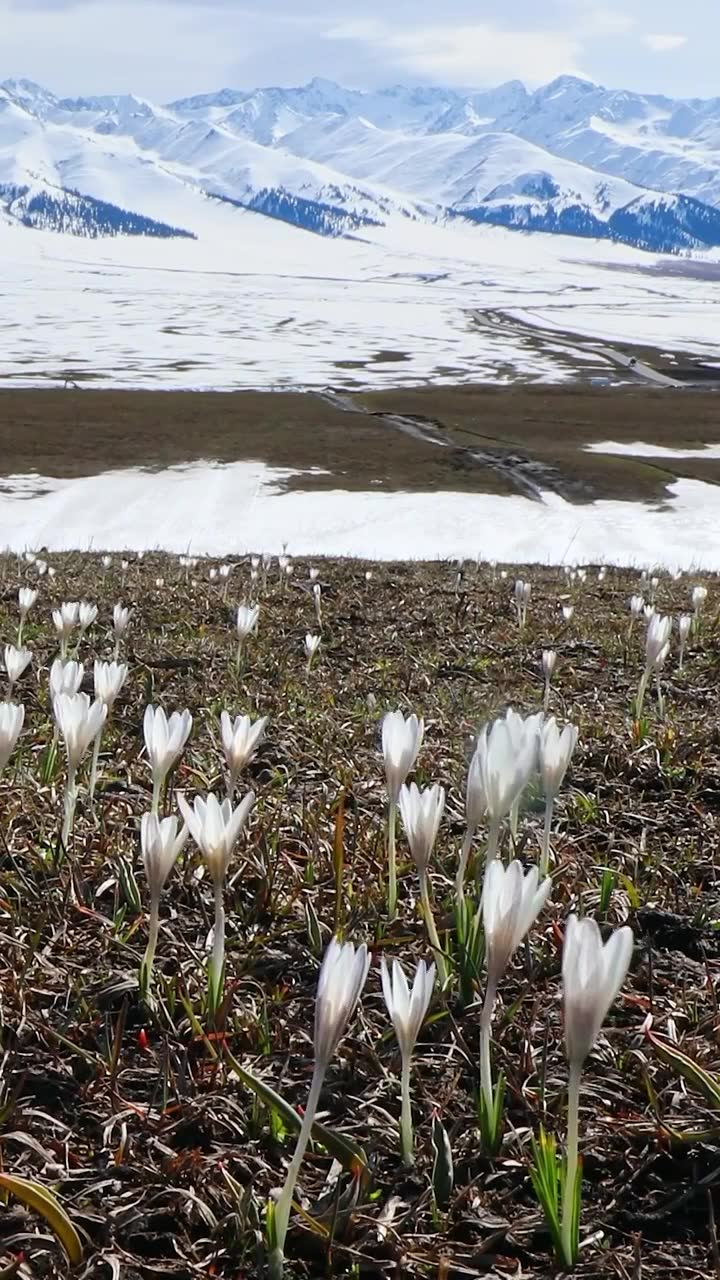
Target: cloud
468 53
664 43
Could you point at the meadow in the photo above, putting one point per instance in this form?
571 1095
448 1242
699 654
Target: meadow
150 1105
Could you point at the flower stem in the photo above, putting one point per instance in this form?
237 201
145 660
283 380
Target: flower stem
486 1083
284 1203
547 827
462 867
217 959
642 688
546 696
94 769
572 1162
146 968
431 929
70 802
392 859
493 838
157 788
406 1131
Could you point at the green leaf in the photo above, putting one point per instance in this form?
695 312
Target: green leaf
443 1174
705 1083
37 1197
490 1119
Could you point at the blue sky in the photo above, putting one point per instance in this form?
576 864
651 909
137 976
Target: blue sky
163 48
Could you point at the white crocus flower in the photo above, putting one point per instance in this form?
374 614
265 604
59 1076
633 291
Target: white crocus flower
567 612
65 620
657 647
401 742
87 615
511 903
12 719
16 662
525 734
79 721
507 763
161 846
342 977
121 623
556 750
698 598
246 622
241 738
421 813
65 677
407 1010
684 629
312 644
216 829
523 592
109 680
592 974
165 740
26 599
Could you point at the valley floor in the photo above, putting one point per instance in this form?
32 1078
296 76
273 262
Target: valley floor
514 473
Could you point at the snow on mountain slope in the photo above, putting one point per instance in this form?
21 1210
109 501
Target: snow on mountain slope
570 158
454 170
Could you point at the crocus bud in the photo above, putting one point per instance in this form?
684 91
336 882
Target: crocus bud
65 619
421 813
12 718
121 621
556 749
684 626
549 660
161 847
87 613
401 742
26 600
247 620
165 739
511 903
657 641
79 722
637 605
592 974
312 644
342 977
699 596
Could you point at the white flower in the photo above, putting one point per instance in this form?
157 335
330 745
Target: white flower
87 613
16 661
165 739
511 903
549 659
312 644
699 596
556 749
421 813
109 680
592 977
26 600
684 626
121 621
314 574
161 847
12 718
247 620
65 677
79 722
407 1009
475 805
401 742
657 640
241 738
506 764
637 606
568 611
342 978
66 619
216 828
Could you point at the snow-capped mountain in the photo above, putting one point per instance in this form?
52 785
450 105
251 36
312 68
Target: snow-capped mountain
571 157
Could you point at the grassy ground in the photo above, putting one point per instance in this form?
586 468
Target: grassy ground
540 429
162 1157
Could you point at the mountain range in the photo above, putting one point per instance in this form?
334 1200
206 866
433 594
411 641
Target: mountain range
571 157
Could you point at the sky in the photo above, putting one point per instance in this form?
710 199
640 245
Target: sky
162 49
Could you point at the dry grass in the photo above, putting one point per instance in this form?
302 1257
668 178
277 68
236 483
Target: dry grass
127 1114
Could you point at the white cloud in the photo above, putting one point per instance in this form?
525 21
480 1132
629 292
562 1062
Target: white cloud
664 43
470 53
